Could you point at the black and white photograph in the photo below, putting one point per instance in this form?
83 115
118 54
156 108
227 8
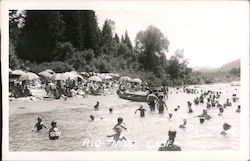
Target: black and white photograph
165 77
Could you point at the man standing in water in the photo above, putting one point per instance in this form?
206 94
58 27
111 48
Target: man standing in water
152 98
161 105
142 111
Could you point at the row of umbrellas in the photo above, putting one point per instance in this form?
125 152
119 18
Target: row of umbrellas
70 75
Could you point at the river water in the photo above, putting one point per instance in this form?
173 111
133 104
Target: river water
143 134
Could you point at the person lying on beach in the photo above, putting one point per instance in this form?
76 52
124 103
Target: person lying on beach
142 110
118 135
54 132
39 125
161 104
238 109
120 123
226 127
96 107
184 124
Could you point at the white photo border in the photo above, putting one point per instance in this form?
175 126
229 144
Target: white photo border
242 154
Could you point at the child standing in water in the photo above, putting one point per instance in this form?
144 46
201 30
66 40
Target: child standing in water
142 111
120 123
96 107
54 132
39 125
118 135
161 105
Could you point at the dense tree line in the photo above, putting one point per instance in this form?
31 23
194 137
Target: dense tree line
71 40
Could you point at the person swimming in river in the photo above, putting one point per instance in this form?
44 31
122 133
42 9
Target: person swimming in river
118 135
120 123
228 103
161 104
39 125
238 109
221 111
54 132
96 107
169 145
184 124
189 107
142 110
226 127
205 115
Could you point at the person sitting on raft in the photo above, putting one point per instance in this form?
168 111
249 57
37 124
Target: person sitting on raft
39 125
54 132
118 135
226 127
142 110
238 109
170 146
184 124
120 123
152 98
161 105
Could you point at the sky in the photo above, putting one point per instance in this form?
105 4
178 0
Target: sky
211 33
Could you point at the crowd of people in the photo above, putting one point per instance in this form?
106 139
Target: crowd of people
209 99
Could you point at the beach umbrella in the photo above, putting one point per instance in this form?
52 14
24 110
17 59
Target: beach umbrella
49 71
79 76
85 74
17 72
45 74
107 77
95 78
70 75
58 76
28 76
136 80
125 78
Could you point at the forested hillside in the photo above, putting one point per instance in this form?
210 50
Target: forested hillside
66 40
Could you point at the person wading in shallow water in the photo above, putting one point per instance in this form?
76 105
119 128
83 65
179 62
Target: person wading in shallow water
39 125
161 105
54 133
152 98
142 110
170 146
